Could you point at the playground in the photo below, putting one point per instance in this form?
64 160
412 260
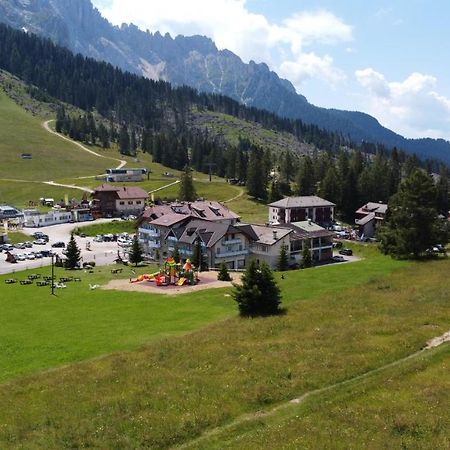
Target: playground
172 278
208 280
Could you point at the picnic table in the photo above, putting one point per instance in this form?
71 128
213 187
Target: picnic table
34 276
23 282
10 281
116 270
42 283
76 279
47 278
65 279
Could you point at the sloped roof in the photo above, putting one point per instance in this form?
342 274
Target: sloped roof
124 192
308 230
169 220
309 201
365 219
380 208
265 234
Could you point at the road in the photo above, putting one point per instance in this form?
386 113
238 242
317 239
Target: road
103 253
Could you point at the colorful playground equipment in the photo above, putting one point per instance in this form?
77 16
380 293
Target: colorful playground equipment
171 273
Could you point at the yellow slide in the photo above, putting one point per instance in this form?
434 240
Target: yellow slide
181 281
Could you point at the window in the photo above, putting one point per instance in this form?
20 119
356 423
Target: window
130 202
138 202
122 203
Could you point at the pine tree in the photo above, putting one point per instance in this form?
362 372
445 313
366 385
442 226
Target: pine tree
305 177
259 294
306 257
223 274
135 255
187 190
198 257
72 254
176 254
283 260
412 224
124 141
256 177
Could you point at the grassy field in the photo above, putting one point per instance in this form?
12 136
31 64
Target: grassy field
34 345
15 237
53 157
114 227
356 318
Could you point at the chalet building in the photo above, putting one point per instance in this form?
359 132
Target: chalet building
266 242
113 201
369 217
316 238
10 217
298 209
204 210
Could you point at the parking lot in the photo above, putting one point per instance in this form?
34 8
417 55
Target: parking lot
102 253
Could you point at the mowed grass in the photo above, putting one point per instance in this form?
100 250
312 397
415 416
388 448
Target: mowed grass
113 227
170 392
32 322
53 157
404 406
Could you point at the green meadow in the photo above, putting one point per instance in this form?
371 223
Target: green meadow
193 374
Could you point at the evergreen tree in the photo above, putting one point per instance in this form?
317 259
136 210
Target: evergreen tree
259 294
223 274
198 257
176 254
283 260
72 254
135 255
124 140
256 177
412 224
305 177
187 190
443 192
306 257
274 192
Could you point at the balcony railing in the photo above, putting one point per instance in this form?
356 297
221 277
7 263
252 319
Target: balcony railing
235 253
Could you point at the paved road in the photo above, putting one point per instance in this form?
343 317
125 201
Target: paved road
103 253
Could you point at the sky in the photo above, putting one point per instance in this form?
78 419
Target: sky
385 58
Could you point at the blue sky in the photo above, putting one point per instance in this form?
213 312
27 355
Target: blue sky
386 58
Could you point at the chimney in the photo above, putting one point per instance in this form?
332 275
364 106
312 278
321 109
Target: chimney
274 234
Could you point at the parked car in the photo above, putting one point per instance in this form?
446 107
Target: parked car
28 244
346 252
20 245
46 253
98 238
38 255
39 242
30 255
40 235
20 257
338 258
59 244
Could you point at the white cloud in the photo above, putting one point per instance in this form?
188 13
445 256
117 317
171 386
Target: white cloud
412 106
286 46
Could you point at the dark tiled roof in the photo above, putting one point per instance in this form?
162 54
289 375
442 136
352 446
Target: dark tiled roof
310 201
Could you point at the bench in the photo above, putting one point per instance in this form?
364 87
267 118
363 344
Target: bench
10 281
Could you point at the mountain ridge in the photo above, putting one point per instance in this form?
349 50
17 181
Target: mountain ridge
196 61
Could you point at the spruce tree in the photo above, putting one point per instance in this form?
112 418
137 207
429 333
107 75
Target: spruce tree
259 294
198 257
283 260
176 254
187 190
135 255
306 257
412 224
223 274
72 254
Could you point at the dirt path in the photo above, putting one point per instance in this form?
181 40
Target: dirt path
164 187
241 193
47 128
433 343
70 186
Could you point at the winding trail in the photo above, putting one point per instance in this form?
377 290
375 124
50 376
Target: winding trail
249 417
164 187
46 126
241 193
70 186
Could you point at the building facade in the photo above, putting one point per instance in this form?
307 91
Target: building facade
299 209
369 217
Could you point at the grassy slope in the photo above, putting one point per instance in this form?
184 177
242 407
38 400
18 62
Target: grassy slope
38 343
53 158
169 392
